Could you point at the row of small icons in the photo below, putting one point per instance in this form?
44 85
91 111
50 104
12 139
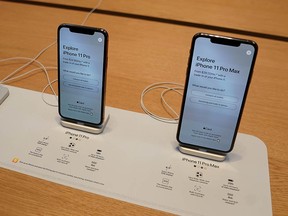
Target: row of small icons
64 157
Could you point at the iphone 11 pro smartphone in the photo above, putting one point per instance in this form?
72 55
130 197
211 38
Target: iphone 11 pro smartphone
82 65
218 77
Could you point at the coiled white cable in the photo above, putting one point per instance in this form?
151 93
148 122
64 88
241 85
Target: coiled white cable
167 86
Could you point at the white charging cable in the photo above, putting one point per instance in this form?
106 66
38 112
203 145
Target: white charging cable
167 86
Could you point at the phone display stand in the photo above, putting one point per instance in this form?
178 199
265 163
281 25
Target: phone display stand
86 128
203 154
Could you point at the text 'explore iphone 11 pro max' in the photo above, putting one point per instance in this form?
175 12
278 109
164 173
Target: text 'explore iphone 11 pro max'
82 65
218 76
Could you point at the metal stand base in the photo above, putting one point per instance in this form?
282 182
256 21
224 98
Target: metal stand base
4 93
94 130
203 154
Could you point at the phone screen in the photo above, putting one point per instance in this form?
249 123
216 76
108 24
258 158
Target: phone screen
82 69
218 77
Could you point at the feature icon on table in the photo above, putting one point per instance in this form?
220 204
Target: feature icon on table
71 145
199 174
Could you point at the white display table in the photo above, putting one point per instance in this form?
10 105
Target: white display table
135 159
